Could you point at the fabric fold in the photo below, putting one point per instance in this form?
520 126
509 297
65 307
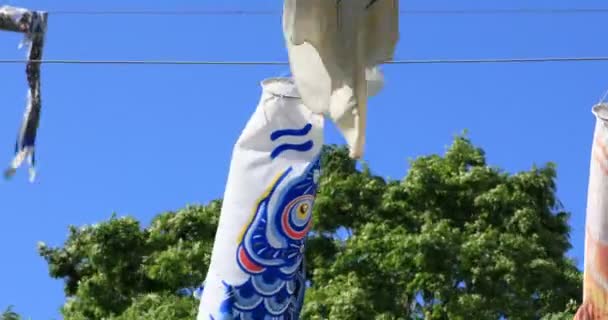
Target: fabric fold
334 48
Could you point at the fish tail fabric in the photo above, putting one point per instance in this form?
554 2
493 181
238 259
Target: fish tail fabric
33 24
595 292
257 263
334 49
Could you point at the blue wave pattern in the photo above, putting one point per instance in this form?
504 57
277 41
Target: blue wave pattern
291 132
302 147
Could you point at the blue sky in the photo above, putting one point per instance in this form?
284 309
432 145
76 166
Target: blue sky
140 140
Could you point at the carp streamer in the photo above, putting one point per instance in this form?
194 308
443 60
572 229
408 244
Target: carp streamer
33 25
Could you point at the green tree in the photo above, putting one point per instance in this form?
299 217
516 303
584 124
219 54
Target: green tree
455 239
9 314
119 268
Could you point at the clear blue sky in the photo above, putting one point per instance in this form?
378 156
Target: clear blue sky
140 140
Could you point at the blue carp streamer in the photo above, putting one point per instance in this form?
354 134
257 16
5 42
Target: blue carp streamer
33 24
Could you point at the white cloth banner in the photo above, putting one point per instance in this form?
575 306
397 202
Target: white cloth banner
334 46
257 268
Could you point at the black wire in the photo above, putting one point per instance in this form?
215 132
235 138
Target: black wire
270 63
274 12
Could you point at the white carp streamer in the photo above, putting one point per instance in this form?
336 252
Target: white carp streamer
595 293
257 264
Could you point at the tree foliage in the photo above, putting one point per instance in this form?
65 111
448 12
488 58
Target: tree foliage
10 314
455 239
117 267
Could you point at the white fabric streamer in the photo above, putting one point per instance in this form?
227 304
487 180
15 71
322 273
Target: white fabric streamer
595 285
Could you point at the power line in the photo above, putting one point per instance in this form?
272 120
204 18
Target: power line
146 62
274 12
164 13
507 11
271 63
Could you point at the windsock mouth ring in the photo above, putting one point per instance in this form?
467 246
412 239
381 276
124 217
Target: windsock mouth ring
281 86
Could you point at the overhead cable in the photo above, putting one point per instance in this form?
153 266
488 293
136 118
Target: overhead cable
219 12
270 63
